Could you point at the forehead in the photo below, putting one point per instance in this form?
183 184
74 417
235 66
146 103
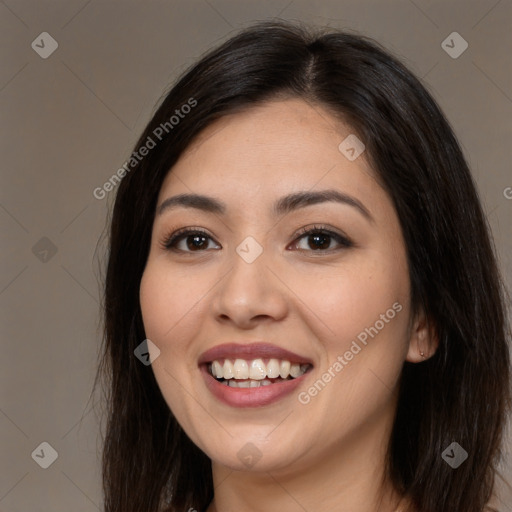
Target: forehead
268 150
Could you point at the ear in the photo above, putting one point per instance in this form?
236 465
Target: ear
423 339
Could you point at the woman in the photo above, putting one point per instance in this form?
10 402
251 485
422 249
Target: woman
298 249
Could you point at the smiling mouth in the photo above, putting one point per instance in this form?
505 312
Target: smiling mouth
242 373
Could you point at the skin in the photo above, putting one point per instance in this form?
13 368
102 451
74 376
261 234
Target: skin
327 454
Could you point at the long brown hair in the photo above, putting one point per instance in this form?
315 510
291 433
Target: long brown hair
461 394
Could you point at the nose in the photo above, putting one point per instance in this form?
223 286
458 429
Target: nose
249 294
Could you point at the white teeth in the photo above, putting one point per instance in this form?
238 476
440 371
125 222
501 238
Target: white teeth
246 383
257 370
295 370
217 370
273 369
284 369
229 371
241 369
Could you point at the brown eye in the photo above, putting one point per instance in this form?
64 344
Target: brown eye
196 242
318 239
189 241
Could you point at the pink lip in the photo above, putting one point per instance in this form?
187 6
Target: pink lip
250 397
249 352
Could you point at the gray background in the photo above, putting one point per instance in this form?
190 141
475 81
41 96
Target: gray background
69 122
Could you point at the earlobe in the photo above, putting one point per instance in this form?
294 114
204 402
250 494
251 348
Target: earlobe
423 340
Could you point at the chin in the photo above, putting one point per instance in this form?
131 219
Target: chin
256 453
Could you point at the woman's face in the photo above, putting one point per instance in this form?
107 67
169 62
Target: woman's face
299 267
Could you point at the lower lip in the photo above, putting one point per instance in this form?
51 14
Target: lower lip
250 397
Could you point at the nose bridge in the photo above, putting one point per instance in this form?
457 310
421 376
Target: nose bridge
250 289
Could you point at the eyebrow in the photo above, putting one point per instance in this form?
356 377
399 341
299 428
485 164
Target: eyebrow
282 206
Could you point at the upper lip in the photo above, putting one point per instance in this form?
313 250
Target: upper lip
250 351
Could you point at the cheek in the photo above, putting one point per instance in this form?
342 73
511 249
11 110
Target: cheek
166 301
168 322
352 299
166 317
372 329
155 302
366 310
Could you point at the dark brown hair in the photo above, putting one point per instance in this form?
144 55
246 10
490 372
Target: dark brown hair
460 394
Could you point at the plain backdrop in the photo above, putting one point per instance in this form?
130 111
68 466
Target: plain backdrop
70 120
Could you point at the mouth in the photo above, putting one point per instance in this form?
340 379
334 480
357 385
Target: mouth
242 373
251 375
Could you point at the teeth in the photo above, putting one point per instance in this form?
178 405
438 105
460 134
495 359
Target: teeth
229 371
241 369
295 370
284 369
273 369
256 370
246 383
217 370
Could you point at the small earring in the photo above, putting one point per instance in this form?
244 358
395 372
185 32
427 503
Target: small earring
422 354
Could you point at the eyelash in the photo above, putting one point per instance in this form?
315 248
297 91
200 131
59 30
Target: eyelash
170 241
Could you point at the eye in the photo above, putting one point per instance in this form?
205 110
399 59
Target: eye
188 240
320 239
